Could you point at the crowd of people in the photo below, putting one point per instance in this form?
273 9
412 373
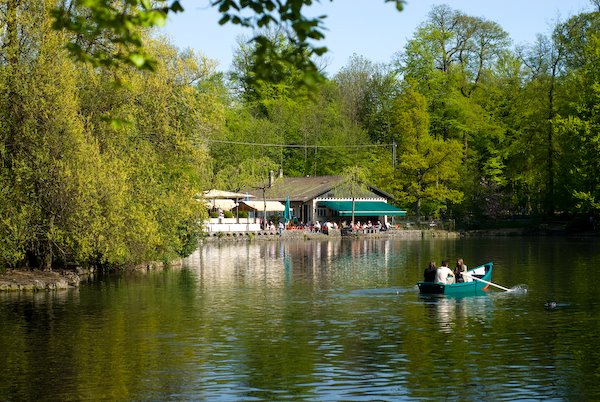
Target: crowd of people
443 274
358 227
324 227
368 227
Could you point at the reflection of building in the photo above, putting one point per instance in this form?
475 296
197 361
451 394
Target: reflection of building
322 198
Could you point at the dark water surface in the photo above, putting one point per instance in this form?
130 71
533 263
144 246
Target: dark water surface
331 320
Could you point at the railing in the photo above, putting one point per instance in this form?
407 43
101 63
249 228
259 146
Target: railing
228 225
427 224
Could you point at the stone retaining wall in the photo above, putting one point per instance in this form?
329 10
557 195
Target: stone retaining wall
37 280
333 233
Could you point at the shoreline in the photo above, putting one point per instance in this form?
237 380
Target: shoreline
333 234
36 280
26 280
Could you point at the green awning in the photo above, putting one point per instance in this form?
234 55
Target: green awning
363 208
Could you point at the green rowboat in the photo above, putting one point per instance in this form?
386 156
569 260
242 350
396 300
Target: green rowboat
483 272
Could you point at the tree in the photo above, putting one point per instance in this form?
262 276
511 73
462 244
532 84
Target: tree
378 101
428 167
300 131
284 81
93 173
249 173
353 81
462 65
354 183
545 62
367 91
43 172
316 127
448 57
108 33
576 123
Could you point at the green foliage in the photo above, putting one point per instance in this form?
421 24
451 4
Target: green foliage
482 133
92 173
285 80
354 181
249 173
189 235
367 93
98 173
314 126
429 167
118 26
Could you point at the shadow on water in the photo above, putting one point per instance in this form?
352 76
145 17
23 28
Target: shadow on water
379 292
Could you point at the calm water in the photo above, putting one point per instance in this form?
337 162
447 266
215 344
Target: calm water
332 320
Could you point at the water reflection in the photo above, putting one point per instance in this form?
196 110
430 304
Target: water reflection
40 298
278 263
338 320
449 312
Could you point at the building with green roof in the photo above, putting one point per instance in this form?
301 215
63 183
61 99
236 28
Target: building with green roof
324 198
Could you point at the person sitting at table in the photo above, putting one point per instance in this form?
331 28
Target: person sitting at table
444 274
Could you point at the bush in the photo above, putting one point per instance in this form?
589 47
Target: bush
189 234
214 214
228 214
243 214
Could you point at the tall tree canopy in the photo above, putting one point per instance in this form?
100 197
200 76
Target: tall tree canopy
102 165
94 173
429 167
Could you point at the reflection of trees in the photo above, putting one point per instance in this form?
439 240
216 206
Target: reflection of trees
103 341
33 344
294 320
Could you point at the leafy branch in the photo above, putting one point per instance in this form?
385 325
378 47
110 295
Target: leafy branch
107 32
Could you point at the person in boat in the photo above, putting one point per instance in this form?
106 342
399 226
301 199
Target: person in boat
444 274
429 274
459 270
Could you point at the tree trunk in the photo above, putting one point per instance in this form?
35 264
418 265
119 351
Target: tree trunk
352 213
47 257
549 207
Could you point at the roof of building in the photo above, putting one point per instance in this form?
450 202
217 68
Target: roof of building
222 194
220 203
363 208
270 206
307 188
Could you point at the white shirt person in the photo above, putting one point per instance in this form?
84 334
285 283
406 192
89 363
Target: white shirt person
444 274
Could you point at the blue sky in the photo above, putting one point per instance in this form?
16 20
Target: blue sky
370 28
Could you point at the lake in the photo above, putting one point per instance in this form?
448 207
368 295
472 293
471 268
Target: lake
315 320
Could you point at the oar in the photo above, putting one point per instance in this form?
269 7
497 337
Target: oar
489 283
